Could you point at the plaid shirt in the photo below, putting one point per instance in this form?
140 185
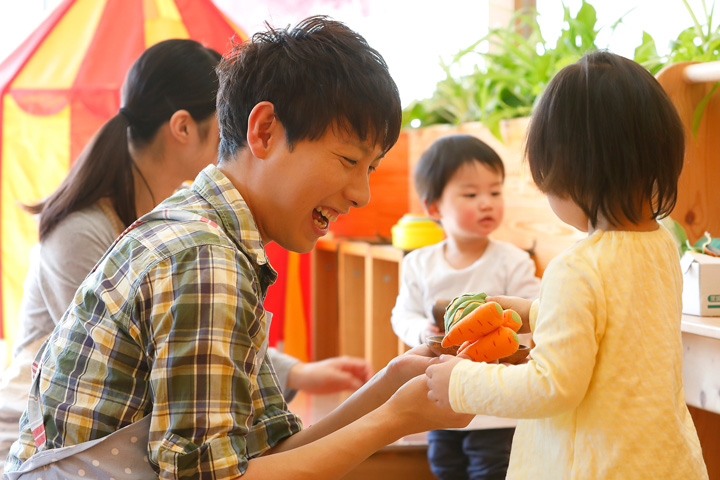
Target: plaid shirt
171 323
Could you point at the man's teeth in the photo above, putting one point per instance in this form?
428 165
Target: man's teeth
324 218
326 213
321 223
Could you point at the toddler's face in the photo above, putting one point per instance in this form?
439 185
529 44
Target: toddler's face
471 205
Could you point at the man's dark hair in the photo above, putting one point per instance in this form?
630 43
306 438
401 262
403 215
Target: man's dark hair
318 75
606 135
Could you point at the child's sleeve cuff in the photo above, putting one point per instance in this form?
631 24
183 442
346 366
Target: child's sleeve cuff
455 393
534 313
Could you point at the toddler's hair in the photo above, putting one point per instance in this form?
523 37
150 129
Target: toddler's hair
606 135
444 157
318 75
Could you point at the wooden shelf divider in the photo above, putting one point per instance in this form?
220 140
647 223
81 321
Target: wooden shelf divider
355 284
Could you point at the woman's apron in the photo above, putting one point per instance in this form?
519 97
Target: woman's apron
122 455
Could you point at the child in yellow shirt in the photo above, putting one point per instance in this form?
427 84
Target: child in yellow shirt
602 396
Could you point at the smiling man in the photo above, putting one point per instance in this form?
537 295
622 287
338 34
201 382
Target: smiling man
159 367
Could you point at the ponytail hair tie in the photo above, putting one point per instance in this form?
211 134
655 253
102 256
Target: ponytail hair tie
129 116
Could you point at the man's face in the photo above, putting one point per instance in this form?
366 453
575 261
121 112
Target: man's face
305 189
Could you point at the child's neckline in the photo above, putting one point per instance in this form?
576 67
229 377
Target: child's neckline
443 251
624 231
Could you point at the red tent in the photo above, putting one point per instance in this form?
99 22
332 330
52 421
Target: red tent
59 86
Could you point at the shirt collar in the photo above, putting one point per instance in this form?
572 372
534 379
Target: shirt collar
236 218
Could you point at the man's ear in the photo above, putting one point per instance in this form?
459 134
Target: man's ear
262 129
181 126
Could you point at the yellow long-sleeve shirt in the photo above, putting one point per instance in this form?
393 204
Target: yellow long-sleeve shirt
602 397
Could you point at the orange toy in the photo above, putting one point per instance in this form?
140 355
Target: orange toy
485 330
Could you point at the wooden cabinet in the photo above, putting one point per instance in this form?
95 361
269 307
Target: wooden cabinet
701 355
355 284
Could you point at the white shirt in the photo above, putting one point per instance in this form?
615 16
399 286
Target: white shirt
503 269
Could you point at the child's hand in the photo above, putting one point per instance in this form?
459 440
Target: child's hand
412 402
520 305
438 379
429 330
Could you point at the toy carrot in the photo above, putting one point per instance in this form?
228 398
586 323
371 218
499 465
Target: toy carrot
462 305
498 344
481 321
512 320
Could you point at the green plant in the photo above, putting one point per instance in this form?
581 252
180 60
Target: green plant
699 42
506 80
705 244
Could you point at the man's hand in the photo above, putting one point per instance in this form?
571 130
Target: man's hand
410 364
412 402
330 375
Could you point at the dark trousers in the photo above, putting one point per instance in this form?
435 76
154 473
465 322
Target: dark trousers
470 455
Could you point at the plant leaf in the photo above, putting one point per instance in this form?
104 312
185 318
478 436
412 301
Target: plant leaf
700 109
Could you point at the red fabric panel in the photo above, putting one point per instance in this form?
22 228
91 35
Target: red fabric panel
41 102
88 112
275 299
119 40
306 286
206 24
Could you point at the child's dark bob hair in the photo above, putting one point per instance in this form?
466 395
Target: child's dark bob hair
318 75
445 156
606 135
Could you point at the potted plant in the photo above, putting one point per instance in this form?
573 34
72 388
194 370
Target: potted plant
507 78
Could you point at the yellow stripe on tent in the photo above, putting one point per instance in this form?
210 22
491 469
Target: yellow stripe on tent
29 141
162 22
47 68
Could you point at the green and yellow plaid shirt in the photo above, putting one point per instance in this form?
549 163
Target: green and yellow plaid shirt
171 324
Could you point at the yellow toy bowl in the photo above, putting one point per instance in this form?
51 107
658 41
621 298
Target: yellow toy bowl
415 231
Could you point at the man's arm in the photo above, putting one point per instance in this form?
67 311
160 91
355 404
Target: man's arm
332 456
369 397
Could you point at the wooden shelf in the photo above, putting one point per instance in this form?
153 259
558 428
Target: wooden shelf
354 291
703 326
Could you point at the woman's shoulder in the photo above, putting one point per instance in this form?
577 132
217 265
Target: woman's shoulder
87 225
